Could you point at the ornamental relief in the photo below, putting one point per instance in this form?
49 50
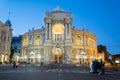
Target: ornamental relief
77 40
57 21
47 20
58 15
68 20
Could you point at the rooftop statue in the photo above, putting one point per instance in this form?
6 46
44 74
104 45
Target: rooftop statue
58 8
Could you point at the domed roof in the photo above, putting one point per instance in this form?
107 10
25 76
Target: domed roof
8 23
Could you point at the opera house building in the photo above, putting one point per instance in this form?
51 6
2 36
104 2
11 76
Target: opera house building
58 41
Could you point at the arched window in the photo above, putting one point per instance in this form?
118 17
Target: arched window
78 40
58 32
37 40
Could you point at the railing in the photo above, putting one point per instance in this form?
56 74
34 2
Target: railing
58 41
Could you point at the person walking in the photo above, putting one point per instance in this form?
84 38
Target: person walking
102 69
14 64
95 66
17 64
91 67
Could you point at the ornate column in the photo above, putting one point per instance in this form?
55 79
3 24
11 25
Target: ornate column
49 31
6 42
69 31
41 39
0 35
65 31
46 31
47 54
68 51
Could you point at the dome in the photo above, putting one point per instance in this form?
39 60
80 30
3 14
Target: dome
8 23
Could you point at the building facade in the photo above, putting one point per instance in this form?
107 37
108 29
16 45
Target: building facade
58 41
116 61
5 41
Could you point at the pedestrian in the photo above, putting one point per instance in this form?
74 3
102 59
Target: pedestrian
102 69
95 66
17 64
41 63
91 67
98 66
14 64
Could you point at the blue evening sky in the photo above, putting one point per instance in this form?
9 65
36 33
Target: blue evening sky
101 17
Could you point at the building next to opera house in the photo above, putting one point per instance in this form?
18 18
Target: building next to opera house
5 41
58 41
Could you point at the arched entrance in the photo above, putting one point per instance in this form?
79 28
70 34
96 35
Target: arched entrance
32 57
57 55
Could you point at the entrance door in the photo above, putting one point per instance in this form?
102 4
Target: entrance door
57 55
32 57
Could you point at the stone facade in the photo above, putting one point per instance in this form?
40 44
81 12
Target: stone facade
58 41
5 41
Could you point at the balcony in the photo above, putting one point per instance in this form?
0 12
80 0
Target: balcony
58 41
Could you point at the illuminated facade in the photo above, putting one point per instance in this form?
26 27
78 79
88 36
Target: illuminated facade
5 41
59 41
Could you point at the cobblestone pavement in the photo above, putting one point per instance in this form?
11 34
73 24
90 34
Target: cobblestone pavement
54 73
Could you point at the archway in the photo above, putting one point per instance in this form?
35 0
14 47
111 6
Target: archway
58 32
57 55
32 57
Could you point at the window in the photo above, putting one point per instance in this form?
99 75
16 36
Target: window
58 32
58 37
25 41
30 39
37 40
78 40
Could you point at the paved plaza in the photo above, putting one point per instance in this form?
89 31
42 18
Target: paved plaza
54 73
